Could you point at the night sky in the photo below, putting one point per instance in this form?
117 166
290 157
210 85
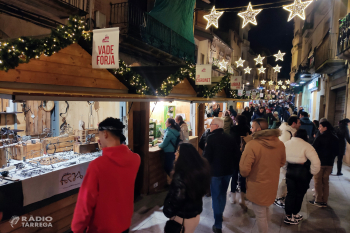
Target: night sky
272 33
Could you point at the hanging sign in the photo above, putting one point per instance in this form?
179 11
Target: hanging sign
236 82
261 95
247 93
240 92
254 95
313 85
203 74
105 51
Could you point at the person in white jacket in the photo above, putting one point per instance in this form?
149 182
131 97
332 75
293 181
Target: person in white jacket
184 133
299 155
288 129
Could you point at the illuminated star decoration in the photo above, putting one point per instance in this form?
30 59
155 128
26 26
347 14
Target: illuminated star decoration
277 87
240 62
263 82
288 82
249 15
277 68
279 55
247 70
213 18
261 70
284 87
223 65
280 82
259 60
270 82
297 9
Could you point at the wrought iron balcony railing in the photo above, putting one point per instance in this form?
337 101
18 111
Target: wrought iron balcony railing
139 24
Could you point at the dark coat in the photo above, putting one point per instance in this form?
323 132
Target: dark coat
222 153
203 139
248 115
309 126
342 132
237 131
286 115
177 202
257 115
327 148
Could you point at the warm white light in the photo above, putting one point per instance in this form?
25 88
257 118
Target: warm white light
223 65
249 15
277 68
263 81
240 62
279 55
247 83
297 9
280 82
247 70
259 60
262 70
288 82
213 18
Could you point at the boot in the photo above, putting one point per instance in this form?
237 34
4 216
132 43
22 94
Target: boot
232 198
242 202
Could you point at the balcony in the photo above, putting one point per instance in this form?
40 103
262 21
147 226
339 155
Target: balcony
45 13
307 29
138 26
325 57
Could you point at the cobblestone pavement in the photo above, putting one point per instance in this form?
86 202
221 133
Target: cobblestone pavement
148 216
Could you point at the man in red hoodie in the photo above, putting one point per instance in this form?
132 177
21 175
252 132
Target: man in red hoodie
106 197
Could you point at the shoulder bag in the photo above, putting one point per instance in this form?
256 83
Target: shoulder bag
172 226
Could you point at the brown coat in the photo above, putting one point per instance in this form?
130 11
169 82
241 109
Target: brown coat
261 161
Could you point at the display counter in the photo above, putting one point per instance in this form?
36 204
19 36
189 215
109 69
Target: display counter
157 176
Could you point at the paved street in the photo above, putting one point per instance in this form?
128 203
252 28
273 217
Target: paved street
149 217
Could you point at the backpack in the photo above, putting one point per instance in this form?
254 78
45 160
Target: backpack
177 142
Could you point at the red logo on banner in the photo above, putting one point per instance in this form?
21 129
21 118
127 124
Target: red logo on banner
204 70
106 39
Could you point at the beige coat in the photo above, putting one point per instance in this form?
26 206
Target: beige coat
261 161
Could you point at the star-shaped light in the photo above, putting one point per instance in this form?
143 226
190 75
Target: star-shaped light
249 15
247 70
261 70
263 82
297 9
277 68
279 55
284 87
280 82
223 65
240 62
213 18
288 82
259 60
270 82
277 87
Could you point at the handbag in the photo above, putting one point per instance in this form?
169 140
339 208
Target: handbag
172 226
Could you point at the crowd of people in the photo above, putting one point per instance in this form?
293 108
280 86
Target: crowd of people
267 154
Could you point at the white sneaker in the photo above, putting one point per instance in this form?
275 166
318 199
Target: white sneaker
232 198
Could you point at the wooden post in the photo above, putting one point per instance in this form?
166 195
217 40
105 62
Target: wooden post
200 122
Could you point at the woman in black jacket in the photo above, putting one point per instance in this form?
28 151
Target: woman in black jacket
327 148
343 137
248 115
191 181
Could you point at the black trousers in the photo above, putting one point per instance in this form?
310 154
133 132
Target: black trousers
242 182
298 179
340 163
126 231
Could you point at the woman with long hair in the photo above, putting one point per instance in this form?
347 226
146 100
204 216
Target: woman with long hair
228 122
248 114
299 154
191 181
169 144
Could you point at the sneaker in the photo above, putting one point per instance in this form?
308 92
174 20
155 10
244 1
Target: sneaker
339 174
290 220
298 217
278 202
318 204
217 230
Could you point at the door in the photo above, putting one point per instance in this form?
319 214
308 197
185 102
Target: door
339 105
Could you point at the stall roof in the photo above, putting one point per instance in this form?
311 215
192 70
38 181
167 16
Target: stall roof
207 100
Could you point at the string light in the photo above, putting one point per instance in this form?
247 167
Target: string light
297 9
262 70
213 18
280 82
259 60
247 70
271 83
223 64
288 81
279 55
249 15
240 62
263 82
277 68
284 87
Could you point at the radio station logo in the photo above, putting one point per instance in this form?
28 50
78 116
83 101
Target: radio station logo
37 221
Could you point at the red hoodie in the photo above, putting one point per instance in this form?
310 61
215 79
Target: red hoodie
106 197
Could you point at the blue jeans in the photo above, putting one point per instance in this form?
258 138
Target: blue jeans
218 189
169 158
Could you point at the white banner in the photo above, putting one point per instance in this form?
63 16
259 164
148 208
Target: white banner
236 82
261 95
253 94
70 178
203 74
240 92
247 93
105 51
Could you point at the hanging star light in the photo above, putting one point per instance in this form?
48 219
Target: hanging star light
284 87
240 62
288 82
279 55
262 70
247 70
277 87
271 83
213 18
249 15
263 82
277 68
297 9
259 60
280 82
223 65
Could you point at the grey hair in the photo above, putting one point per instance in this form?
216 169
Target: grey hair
323 119
219 121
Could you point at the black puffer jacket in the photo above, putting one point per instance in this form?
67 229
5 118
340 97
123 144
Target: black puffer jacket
177 202
343 136
237 131
327 148
248 115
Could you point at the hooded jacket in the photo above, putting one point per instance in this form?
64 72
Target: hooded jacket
169 141
327 148
287 132
298 152
228 122
309 126
257 115
184 133
106 197
261 161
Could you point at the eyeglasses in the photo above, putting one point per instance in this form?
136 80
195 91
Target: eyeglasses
213 124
